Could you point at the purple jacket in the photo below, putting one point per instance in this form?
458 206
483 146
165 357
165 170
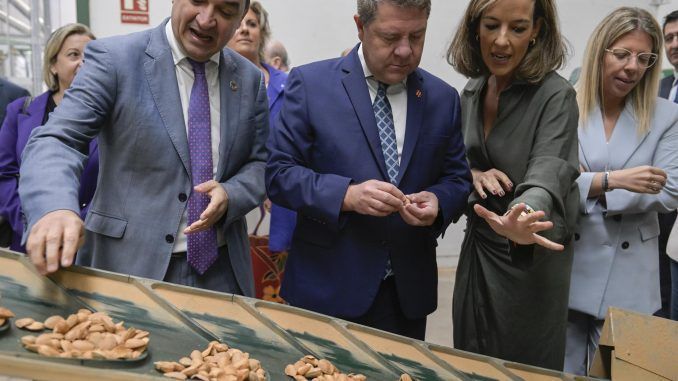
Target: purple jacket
14 134
283 220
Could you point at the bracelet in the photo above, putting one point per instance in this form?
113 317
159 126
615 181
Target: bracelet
528 210
606 184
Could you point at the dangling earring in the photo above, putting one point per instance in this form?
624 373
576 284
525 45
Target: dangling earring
533 41
477 38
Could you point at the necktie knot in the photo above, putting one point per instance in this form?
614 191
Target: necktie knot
382 88
198 67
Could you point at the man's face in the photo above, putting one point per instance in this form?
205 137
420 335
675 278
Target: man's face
671 42
203 27
393 41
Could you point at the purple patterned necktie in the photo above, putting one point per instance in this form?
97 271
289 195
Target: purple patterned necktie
202 246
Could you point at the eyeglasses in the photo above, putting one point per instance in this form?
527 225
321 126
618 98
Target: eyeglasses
645 60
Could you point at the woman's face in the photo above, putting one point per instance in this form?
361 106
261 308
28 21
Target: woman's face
247 38
69 59
622 71
504 34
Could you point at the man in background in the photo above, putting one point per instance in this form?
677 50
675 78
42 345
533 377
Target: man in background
668 89
276 55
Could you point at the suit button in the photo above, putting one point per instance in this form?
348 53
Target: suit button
169 238
617 217
576 236
625 245
183 197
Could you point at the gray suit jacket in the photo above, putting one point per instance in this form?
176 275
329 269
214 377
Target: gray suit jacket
126 93
615 247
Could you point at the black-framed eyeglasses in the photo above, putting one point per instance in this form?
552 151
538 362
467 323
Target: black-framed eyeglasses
645 60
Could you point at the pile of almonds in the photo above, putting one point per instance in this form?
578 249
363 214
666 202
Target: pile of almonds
4 315
310 368
84 335
217 362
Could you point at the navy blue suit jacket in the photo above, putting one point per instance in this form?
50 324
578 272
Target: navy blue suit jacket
665 87
325 139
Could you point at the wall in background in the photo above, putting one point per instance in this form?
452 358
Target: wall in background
314 30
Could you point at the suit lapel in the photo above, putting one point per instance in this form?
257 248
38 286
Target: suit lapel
162 80
230 89
416 98
625 138
356 87
35 112
592 143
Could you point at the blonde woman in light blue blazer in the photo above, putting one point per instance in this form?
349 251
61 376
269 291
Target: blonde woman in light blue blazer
628 152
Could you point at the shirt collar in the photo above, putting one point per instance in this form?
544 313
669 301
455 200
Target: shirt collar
178 53
368 73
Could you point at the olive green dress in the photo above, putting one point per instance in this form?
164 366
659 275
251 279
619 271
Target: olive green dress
510 301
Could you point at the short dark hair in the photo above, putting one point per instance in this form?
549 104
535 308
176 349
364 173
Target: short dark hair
671 17
367 9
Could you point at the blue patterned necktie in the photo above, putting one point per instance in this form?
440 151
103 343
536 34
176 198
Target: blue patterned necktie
387 135
202 246
389 146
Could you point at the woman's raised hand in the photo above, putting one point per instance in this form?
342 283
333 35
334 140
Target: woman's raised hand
519 227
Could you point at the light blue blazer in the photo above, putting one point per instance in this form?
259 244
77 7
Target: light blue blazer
126 93
615 247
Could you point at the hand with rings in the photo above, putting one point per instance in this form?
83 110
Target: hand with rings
642 179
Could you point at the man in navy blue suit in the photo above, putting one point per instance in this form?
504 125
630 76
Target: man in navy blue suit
668 88
368 150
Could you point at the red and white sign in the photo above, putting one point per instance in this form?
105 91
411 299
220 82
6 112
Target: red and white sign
134 11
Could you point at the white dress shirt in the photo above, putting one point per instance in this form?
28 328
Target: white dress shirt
185 79
674 88
397 97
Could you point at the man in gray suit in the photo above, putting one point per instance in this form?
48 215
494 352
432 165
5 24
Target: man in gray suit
181 126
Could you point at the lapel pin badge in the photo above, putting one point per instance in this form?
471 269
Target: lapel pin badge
419 93
234 86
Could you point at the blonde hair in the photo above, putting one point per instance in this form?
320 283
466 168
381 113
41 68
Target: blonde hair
614 26
52 48
548 52
264 28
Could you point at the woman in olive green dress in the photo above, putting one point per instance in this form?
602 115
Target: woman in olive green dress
520 129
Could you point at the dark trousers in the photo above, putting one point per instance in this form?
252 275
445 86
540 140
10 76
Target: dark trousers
665 225
674 290
219 277
386 314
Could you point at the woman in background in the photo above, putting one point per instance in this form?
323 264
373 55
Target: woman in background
519 120
628 141
62 59
249 41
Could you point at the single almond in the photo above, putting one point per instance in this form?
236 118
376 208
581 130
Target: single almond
29 339
5 313
164 366
52 321
35 326
83 345
23 322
